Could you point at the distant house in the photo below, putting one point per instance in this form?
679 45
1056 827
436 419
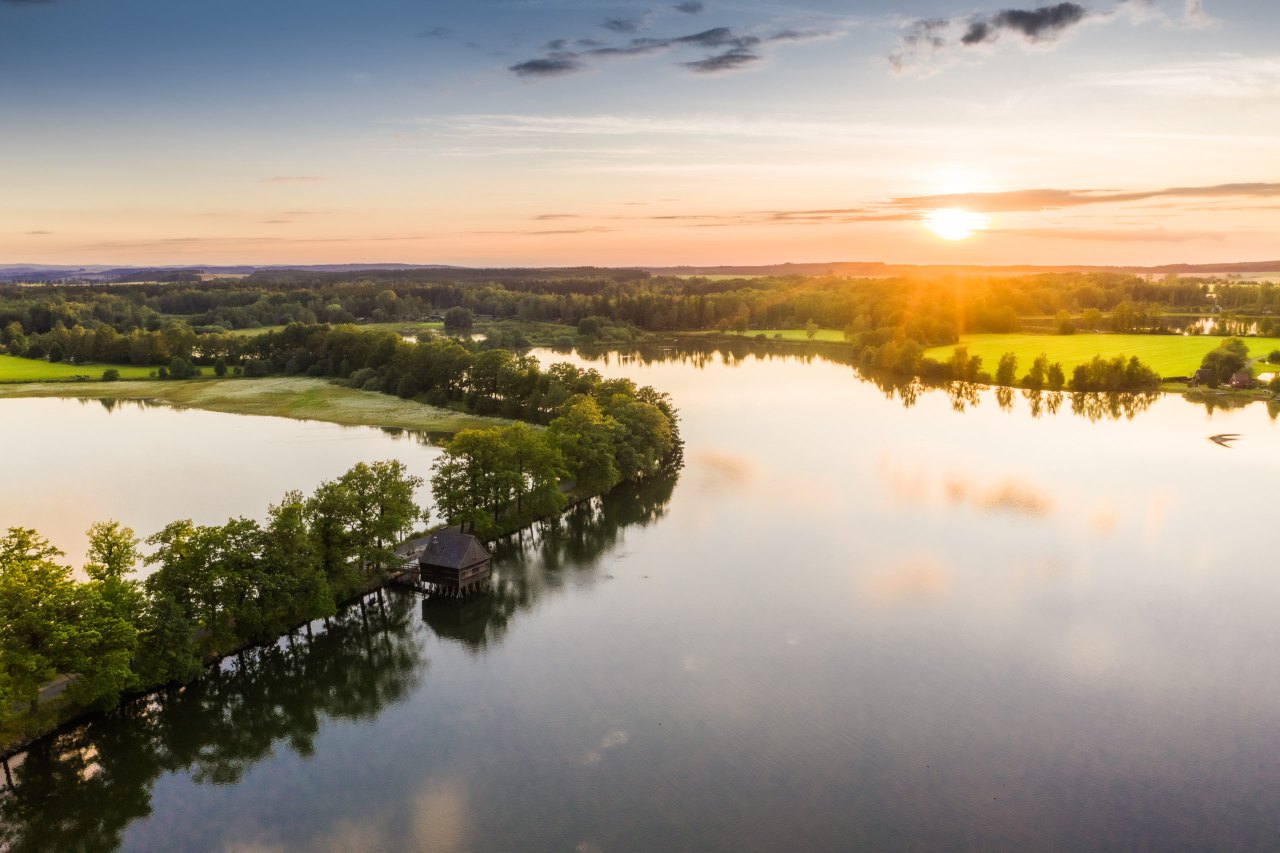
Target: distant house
1241 379
454 564
1203 376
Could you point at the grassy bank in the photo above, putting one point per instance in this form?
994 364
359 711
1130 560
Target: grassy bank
822 336
407 327
14 369
1168 355
288 397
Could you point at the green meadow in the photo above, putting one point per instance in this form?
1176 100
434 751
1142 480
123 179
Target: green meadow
14 369
1168 355
821 335
297 397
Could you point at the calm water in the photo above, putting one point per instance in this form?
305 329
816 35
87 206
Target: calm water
849 624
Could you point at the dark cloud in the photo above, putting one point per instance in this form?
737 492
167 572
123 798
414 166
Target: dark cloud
626 25
730 50
1043 24
442 33
926 40
693 7
730 60
547 66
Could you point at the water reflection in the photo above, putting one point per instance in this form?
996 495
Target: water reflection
547 558
909 391
81 789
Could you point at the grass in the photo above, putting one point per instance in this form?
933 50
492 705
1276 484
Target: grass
402 328
1168 355
14 369
285 397
824 336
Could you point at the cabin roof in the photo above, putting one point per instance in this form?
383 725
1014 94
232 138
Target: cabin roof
453 550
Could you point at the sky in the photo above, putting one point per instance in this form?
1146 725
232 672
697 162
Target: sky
568 132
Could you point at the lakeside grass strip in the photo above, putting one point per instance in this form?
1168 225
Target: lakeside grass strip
301 398
1168 355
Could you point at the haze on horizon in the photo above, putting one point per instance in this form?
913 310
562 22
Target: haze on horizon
565 132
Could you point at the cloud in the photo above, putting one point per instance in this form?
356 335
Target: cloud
928 44
442 33
692 7
1119 235
627 25
29 2
730 60
1227 78
292 179
728 50
1043 24
550 66
1196 17
1052 199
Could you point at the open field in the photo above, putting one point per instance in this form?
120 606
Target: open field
821 336
405 328
1168 355
292 397
14 369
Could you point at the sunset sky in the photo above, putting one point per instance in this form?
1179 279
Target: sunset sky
558 132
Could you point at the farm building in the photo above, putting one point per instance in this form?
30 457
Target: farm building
1241 379
1203 376
454 564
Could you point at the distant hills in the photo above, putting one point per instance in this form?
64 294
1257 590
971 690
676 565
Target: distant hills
854 269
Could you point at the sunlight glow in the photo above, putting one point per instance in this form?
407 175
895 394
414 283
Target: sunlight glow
951 223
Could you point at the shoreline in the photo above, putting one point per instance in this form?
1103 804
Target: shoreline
58 715
296 397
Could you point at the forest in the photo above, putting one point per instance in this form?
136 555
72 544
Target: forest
888 323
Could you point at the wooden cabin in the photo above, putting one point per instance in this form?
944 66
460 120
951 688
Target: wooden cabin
1242 379
454 564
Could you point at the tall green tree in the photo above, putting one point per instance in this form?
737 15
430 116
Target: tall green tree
586 438
37 609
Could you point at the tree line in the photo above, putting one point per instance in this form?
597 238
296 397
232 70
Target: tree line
931 308
213 588
494 479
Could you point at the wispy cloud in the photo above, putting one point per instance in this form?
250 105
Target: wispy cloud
1113 235
692 7
1226 78
914 208
628 25
508 126
725 48
930 44
1032 200
293 179
1195 15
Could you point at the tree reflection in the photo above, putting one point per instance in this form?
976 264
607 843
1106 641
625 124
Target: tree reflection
909 391
79 790
548 557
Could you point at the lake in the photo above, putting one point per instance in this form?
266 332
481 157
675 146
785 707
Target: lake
970 623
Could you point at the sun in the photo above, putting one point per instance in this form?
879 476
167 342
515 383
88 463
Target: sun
952 223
